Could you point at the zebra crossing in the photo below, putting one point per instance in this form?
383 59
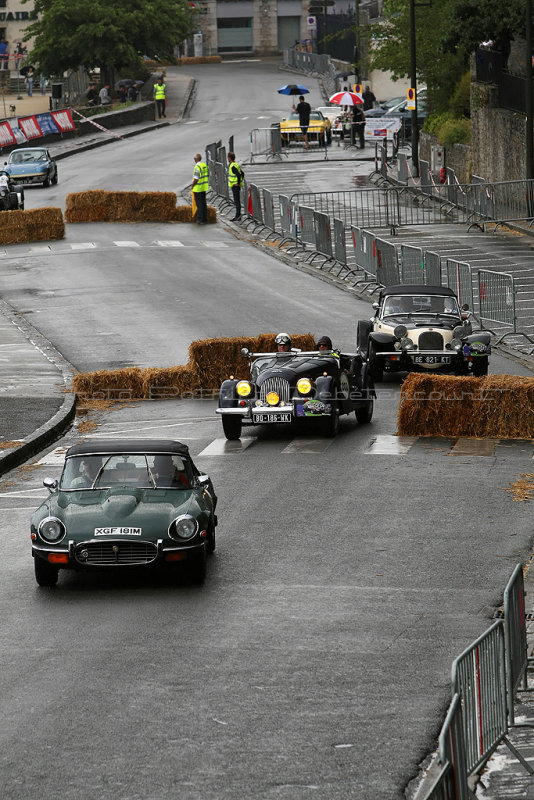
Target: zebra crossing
77 247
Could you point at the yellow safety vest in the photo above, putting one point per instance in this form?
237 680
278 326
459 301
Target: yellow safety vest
201 173
234 180
159 89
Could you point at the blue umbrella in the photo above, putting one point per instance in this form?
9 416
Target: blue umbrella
293 88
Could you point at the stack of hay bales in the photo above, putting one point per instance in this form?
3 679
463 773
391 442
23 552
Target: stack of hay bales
37 225
198 60
493 407
101 206
211 361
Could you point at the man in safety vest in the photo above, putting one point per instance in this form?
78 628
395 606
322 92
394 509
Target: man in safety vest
235 182
200 189
159 96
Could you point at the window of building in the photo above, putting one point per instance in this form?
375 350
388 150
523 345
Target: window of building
234 34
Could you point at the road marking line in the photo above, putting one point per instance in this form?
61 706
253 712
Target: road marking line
40 249
83 246
126 244
390 445
220 447
474 447
169 243
215 244
308 446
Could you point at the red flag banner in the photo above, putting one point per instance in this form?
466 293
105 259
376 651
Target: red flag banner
30 127
249 203
6 134
63 120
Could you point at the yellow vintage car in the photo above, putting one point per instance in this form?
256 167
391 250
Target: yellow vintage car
320 129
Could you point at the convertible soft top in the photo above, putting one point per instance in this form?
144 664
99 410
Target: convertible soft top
106 446
417 289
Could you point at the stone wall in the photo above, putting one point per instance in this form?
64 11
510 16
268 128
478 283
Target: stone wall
497 137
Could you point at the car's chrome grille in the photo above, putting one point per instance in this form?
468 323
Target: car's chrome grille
278 385
431 340
108 553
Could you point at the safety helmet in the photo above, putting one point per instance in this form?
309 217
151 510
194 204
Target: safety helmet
326 341
283 338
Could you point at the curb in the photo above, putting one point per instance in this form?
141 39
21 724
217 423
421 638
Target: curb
54 427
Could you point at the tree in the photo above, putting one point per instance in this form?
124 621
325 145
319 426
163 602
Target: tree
109 35
447 32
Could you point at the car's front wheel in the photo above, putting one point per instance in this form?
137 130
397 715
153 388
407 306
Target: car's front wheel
211 536
55 178
364 414
375 367
46 182
198 567
232 425
45 573
331 423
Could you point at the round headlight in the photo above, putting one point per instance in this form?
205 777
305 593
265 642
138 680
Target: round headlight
456 344
458 332
243 388
397 345
407 344
183 527
400 331
51 530
272 399
304 385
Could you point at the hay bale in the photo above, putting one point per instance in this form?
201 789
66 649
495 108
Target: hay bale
101 206
494 407
35 225
198 60
211 361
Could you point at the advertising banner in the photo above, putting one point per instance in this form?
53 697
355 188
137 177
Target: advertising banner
63 120
30 127
47 124
381 127
6 134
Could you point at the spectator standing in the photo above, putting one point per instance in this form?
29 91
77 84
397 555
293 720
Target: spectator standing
358 125
200 188
3 55
19 54
368 98
92 96
29 81
42 83
159 96
132 93
235 182
303 109
105 98
123 94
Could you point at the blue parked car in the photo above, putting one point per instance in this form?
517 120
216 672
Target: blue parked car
32 165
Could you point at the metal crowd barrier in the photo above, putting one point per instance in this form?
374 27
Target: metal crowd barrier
451 784
515 637
323 235
460 280
286 215
386 261
306 227
268 209
340 244
496 296
265 142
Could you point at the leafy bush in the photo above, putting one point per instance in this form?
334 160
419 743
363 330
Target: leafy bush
460 102
448 128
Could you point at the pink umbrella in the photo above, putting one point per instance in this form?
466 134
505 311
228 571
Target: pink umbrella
345 99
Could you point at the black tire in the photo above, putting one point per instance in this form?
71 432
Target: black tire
46 182
210 543
232 425
364 414
480 366
331 423
197 567
13 201
375 367
363 330
320 139
45 573
55 179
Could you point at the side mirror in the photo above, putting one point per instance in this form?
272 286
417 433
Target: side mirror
245 352
51 484
465 307
376 305
203 479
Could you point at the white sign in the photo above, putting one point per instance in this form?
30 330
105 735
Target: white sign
381 127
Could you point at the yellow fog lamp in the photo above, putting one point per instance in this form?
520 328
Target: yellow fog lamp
272 399
243 388
304 385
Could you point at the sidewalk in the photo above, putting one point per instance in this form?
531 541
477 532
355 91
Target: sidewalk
35 402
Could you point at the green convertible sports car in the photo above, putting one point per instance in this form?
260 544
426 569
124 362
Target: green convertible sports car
125 503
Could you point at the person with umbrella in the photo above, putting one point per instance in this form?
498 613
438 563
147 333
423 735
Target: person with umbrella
303 109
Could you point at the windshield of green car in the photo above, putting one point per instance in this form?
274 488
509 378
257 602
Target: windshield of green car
141 470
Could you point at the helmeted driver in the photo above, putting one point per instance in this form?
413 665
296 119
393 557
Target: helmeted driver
283 342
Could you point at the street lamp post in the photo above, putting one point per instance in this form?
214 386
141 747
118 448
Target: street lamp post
413 83
529 160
